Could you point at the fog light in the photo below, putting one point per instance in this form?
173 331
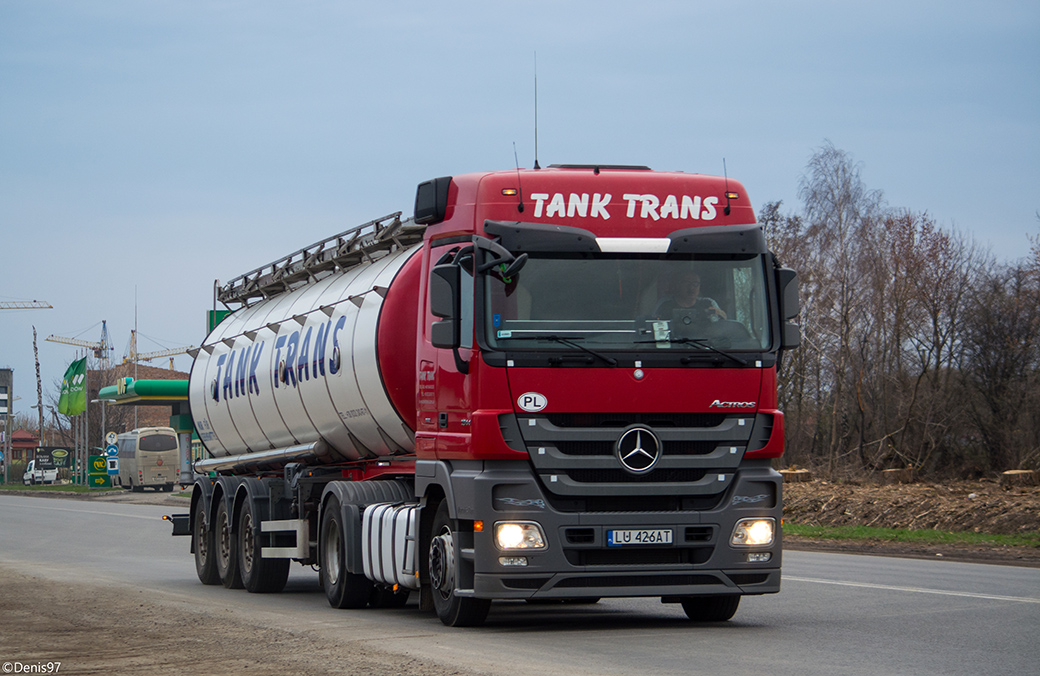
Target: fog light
759 557
753 532
519 535
513 560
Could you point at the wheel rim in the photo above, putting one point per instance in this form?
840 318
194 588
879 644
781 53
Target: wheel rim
332 545
201 546
224 538
442 563
247 541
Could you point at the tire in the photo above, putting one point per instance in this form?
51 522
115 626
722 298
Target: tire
202 544
454 611
343 589
711 608
259 575
225 548
134 488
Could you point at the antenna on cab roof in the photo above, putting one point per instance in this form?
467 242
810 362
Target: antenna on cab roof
536 111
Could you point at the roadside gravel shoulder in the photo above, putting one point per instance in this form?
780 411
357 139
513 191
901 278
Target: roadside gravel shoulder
95 628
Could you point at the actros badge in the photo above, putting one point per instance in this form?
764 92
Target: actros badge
638 449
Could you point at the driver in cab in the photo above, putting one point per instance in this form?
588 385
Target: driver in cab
686 290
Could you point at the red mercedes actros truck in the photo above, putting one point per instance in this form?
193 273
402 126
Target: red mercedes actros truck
550 384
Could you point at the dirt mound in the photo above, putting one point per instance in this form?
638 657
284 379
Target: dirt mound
976 506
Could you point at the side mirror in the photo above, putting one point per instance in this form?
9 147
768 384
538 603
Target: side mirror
790 306
444 303
787 281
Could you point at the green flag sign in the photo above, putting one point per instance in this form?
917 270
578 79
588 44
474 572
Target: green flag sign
73 399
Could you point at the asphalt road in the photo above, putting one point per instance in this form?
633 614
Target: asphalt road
837 614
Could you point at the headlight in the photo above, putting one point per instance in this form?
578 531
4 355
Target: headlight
510 535
755 532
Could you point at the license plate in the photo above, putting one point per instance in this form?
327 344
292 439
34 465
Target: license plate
660 536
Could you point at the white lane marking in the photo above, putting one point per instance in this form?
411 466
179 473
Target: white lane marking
915 590
91 511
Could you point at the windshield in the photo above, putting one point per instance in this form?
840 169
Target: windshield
159 442
631 302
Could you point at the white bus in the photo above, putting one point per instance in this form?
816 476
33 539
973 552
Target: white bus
148 457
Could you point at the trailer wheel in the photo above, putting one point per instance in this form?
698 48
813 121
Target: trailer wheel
226 549
454 611
711 608
259 575
202 545
342 588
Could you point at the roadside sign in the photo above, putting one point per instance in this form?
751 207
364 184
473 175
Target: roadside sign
98 476
113 466
111 450
111 438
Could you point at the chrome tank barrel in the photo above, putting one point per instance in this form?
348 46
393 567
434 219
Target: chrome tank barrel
333 361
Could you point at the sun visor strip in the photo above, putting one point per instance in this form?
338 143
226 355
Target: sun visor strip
541 237
521 237
719 239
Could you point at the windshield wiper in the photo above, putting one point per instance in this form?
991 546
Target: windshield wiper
701 342
569 342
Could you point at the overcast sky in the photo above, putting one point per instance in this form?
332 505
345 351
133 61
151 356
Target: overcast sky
148 148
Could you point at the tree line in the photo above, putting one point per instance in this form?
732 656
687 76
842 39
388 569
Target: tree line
919 348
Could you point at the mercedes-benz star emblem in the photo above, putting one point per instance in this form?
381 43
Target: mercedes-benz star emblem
638 450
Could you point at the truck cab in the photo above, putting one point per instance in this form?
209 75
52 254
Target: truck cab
598 387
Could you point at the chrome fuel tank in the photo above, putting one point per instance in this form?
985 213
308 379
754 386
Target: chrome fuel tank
305 366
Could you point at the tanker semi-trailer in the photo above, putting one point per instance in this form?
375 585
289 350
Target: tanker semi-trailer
552 384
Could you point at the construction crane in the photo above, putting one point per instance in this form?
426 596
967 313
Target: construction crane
25 305
132 355
100 348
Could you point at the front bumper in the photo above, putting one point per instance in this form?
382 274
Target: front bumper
578 562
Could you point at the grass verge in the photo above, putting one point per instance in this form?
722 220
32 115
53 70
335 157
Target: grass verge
55 488
914 536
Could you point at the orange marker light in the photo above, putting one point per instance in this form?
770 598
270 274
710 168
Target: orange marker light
478 526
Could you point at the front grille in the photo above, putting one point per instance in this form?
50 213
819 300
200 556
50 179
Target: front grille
618 476
697 455
681 447
671 556
625 419
635 503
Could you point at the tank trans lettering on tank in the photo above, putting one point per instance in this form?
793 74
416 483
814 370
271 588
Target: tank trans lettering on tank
676 207
298 357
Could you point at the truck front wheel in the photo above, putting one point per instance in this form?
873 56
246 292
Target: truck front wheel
342 588
454 611
711 608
